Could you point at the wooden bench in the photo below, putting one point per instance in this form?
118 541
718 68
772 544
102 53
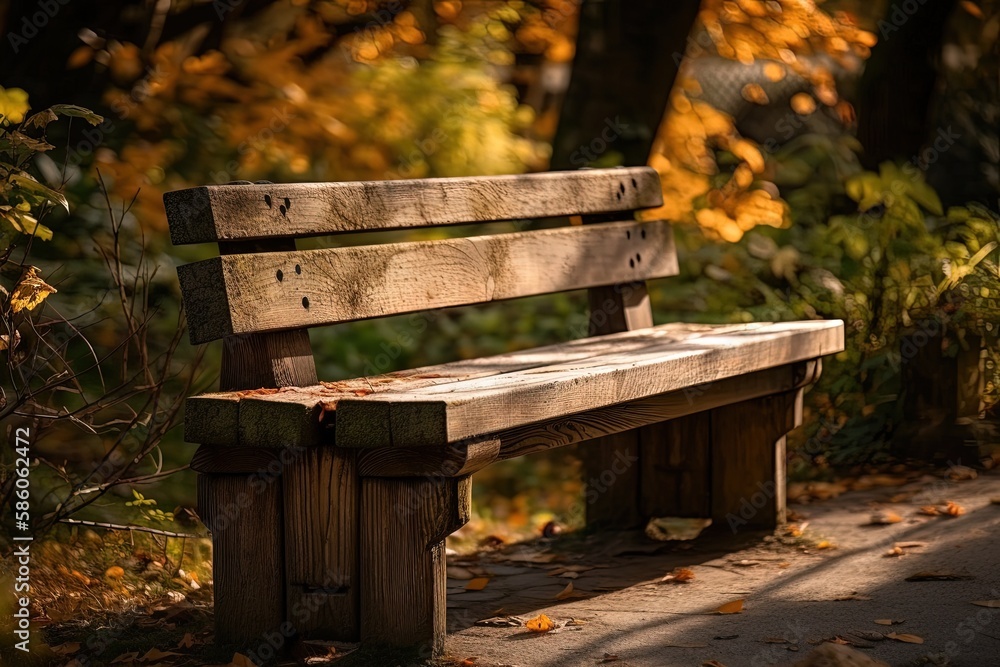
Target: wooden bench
329 502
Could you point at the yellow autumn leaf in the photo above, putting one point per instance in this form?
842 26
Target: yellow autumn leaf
734 607
540 623
992 604
903 637
477 584
30 291
114 572
13 104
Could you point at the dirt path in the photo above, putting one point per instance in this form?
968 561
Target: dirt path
795 595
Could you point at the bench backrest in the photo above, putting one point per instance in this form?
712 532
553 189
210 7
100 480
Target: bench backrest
261 283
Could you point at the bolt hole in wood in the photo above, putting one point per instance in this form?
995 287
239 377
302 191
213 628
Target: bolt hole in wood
267 200
298 269
288 203
281 276
642 233
631 262
628 234
621 188
305 302
282 209
634 184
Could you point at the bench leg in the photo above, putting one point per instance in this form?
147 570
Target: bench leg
748 460
676 472
244 514
404 523
322 496
611 474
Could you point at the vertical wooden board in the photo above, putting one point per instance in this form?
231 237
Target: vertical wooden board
322 498
612 477
748 461
403 526
247 555
675 467
281 359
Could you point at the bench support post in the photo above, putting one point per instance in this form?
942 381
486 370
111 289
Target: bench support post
748 460
403 527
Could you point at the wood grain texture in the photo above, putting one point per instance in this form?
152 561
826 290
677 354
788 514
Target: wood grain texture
210 459
404 524
247 555
322 505
748 460
454 460
240 294
230 212
459 410
675 475
609 462
317 405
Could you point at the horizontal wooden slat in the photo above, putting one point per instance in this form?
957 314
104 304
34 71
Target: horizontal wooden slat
308 415
236 294
305 415
472 408
463 459
231 212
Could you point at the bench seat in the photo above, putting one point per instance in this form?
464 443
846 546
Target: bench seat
465 400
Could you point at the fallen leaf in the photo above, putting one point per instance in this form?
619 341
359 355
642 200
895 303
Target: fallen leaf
501 622
114 572
126 657
992 604
825 544
663 529
477 584
902 637
909 545
929 510
895 551
734 607
468 662
868 635
568 593
959 473
937 576
187 641
540 623
884 518
69 648
746 563
30 291
954 509
685 645
568 575
888 621
456 572
156 654
678 575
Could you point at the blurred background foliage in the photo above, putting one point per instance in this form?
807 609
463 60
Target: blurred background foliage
782 210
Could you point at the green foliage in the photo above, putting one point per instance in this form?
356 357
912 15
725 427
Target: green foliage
23 200
891 263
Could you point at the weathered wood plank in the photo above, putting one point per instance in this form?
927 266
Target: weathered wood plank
404 524
454 460
245 519
748 460
239 294
228 212
467 409
322 505
677 462
217 416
